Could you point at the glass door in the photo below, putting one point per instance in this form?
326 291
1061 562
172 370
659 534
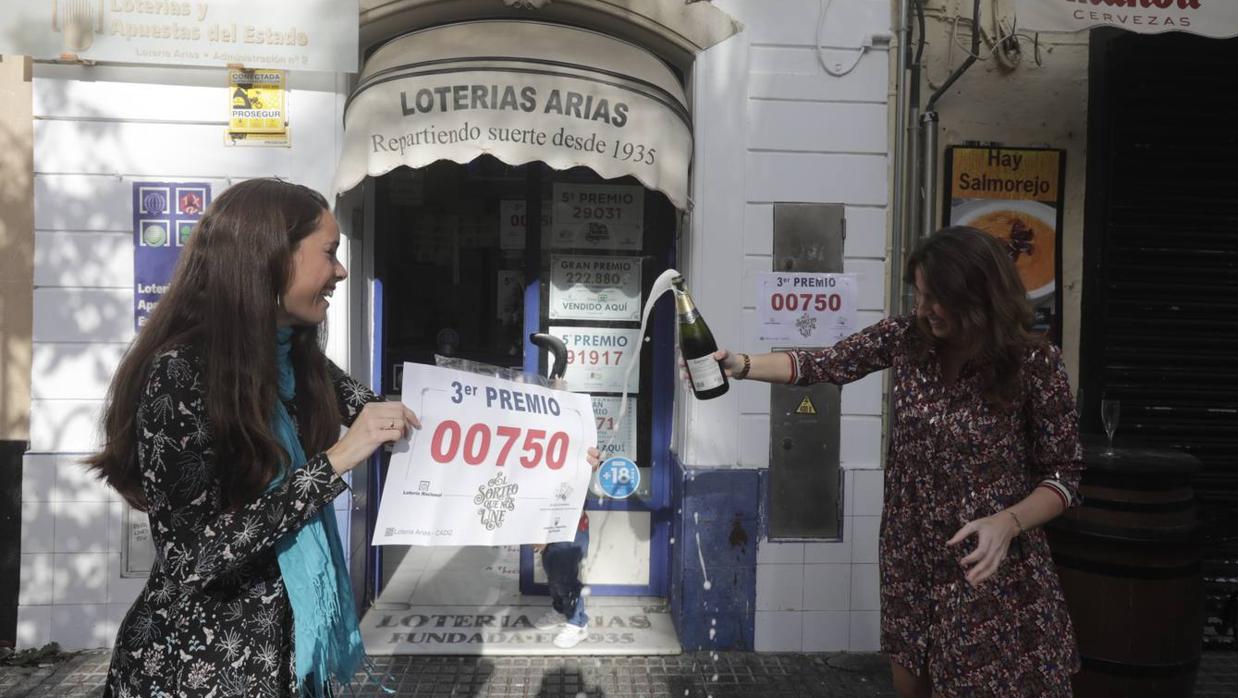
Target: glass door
472 259
602 243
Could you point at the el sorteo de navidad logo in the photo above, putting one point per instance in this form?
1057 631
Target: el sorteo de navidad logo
494 499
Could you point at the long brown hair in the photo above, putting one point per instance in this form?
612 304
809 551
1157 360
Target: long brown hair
973 277
223 301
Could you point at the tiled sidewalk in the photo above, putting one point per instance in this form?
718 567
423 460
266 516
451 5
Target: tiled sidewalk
700 674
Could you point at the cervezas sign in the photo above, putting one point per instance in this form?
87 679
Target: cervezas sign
1215 18
1150 13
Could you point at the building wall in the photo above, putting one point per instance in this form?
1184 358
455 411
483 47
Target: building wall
97 130
770 126
1030 105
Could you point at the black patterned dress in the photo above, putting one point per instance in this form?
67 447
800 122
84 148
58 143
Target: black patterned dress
954 459
214 618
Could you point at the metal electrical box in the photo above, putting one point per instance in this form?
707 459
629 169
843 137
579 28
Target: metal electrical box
805 482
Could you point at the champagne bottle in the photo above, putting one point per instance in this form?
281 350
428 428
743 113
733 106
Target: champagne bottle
697 344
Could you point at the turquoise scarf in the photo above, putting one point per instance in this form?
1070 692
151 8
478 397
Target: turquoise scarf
311 560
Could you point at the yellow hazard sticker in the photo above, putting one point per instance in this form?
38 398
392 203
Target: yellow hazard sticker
806 406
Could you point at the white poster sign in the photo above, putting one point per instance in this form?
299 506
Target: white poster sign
512 225
598 217
1215 18
598 356
495 462
585 287
615 437
805 310
304 35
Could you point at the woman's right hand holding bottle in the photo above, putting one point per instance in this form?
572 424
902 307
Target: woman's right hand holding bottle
378 423
776 367
731 363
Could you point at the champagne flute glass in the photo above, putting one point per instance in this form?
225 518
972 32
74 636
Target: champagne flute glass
1110 410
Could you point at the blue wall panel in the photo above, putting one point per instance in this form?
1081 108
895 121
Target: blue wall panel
713 557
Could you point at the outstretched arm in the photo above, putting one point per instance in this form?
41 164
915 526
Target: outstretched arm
871 349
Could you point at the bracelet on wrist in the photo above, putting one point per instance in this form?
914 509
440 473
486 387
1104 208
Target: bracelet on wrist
743 372
1018 524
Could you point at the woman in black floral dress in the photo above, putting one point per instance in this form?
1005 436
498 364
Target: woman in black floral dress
984 451
209 420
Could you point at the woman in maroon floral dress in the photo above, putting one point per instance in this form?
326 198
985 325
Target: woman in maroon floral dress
985 450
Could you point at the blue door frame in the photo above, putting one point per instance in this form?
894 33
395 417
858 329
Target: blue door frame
374 492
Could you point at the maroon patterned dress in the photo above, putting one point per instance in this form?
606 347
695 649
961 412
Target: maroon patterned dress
954 458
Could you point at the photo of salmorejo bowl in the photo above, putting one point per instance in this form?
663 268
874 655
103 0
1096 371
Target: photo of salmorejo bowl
1027 229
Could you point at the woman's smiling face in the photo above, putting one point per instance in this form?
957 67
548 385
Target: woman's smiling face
315 272
929 311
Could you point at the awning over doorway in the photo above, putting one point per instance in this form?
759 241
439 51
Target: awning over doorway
520 91
1214 18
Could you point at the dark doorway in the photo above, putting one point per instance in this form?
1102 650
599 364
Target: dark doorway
1160 296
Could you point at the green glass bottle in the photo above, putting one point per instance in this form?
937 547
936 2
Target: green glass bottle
697 345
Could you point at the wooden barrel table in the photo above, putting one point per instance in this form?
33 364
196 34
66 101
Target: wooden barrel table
1129 562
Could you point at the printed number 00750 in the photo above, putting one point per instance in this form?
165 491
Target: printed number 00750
806 301
473 445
